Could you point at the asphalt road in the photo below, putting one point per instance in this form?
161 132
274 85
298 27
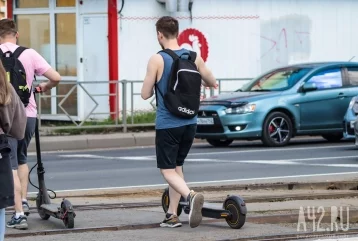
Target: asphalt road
248 161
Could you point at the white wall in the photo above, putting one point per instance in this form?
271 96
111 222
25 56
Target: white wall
283 32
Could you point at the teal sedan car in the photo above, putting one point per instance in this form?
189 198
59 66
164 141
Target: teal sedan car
301 99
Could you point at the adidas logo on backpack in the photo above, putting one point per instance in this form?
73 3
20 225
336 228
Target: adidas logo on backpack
16 74
182 97
185 110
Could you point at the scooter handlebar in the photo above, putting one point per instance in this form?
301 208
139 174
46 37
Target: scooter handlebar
37 90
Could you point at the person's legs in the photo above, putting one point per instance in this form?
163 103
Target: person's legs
174 196
176 182
167 147
171 152
17 185
196 200
23 173
18 220
23 170
166 150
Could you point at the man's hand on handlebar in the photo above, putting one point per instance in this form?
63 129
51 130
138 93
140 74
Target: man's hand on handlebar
43 87
37 90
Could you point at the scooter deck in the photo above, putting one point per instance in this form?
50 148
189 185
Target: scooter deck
50 207
211 206
210 210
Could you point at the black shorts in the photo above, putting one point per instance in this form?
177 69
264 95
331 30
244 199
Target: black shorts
18 154
173 145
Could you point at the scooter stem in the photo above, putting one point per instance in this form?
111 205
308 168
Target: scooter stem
40 168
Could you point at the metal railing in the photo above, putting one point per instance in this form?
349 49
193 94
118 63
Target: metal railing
127 91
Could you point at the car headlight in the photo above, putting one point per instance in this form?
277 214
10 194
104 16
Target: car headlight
354 99
248 108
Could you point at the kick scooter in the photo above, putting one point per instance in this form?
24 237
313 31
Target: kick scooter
233 211
45 208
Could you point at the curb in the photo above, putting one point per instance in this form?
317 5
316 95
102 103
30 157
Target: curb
343 185
83 142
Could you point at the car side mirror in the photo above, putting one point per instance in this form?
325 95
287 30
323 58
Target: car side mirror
309 87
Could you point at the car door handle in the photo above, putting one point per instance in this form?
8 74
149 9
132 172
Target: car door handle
341 95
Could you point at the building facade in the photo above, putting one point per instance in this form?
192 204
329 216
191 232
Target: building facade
93 41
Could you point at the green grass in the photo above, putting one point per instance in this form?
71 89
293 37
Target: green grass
137 118
142 118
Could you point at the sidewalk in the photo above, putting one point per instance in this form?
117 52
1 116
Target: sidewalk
95 141
143 223
81 142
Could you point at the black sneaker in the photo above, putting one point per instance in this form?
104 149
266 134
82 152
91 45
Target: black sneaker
26 208
171 222
196 203
20 223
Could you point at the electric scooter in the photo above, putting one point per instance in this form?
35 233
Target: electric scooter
45 208
234 209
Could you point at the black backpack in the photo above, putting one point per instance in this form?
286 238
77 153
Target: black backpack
16 73
182 97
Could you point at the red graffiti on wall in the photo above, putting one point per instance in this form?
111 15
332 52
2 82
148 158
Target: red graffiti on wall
282 38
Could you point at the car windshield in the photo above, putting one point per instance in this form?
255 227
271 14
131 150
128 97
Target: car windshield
277 80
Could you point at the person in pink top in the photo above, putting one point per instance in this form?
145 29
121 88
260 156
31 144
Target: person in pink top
34 64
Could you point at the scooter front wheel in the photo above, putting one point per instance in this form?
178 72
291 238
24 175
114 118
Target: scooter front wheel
237 218
69 220
68 216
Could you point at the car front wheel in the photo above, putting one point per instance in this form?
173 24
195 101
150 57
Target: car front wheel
219 143
277 129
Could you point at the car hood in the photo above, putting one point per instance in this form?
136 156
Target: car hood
238 97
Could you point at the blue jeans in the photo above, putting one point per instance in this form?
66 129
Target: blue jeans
2 224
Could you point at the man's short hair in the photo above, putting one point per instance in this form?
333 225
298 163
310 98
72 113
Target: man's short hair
7 27
168 26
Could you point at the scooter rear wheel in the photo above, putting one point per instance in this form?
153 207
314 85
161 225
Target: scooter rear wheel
42 213
237 219
166 202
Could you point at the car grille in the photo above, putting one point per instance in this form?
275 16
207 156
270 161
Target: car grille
202 113
216 128
209 129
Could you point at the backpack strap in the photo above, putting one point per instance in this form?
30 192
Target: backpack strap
192 56
3 54
171 53
18 51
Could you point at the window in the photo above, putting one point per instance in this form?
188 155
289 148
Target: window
66 60
32 3
49 27
34 32
327 79
353 76
65 3
282 79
